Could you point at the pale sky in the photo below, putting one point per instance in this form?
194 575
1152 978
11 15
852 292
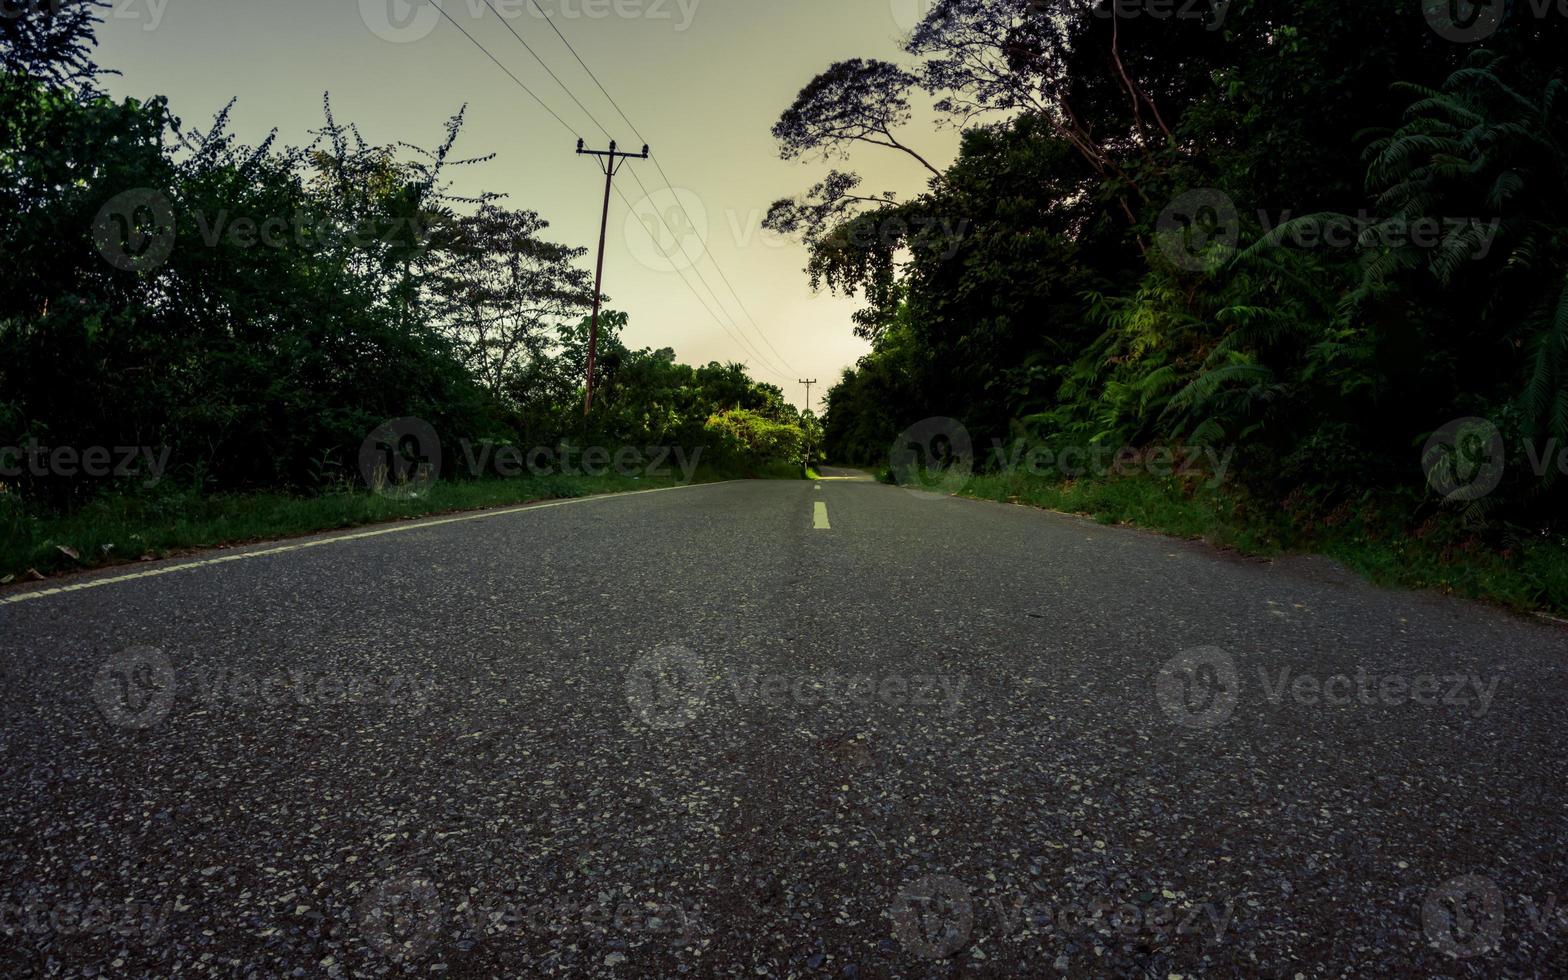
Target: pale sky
703 80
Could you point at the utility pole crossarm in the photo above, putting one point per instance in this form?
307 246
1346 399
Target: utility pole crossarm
808 384
610 161
612 153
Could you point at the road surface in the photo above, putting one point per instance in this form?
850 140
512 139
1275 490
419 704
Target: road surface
774 729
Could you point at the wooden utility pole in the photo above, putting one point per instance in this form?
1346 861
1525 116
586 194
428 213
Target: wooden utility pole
608 161
808 384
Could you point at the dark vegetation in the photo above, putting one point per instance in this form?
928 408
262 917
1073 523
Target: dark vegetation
1396 259
256 311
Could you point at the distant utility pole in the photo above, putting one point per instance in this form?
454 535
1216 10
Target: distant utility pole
610 166
808 383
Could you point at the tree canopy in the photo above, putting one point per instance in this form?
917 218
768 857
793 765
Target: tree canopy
259 309
1312 231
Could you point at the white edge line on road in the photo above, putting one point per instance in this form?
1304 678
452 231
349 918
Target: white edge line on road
413 525
819 517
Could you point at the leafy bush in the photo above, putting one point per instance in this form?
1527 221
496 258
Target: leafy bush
744 437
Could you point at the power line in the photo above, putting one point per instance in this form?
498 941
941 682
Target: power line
557 30
706 308
754 350
738 341
756 327
571 129
552 74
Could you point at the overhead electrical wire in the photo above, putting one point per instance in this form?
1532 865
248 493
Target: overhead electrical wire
750 348
529 48
754 350
662 176
739 340
716 267
569 127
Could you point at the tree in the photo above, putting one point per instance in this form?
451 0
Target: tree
501 289
860 100
856 101
827 204
1484 147
49 40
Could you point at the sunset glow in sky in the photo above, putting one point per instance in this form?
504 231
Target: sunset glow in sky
702 80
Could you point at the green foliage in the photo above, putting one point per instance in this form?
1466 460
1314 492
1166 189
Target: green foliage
1483 147
257 311
1060 316
641 397
1371 537
48 40
128 527
859 100
741 434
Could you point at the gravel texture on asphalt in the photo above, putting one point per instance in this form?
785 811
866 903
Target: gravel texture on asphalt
686 733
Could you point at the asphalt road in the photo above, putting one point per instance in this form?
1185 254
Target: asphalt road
697 732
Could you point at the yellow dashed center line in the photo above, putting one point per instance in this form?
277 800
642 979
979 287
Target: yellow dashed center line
819 517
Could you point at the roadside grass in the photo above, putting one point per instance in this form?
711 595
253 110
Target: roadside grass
124 528
1373 537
